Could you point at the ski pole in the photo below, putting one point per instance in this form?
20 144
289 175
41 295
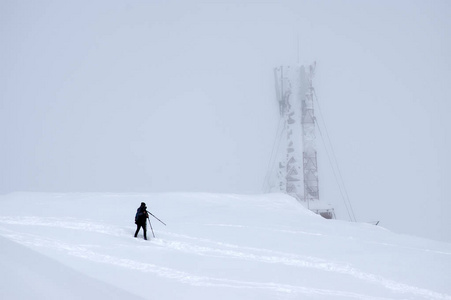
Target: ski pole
151 227
155 217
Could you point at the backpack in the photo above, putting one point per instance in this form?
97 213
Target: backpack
138 216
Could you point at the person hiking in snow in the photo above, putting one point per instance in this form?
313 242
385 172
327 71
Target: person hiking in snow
141 219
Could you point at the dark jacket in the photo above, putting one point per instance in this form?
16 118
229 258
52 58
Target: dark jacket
141 215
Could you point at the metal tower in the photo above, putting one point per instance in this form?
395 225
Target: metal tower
290 163
298 166
310 162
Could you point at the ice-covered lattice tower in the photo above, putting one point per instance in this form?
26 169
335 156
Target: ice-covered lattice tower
297 171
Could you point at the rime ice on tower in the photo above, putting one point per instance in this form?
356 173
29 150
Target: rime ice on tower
297 172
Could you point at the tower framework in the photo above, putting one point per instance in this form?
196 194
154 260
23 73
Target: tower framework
298 164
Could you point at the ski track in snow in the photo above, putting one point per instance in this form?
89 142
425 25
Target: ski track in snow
216 249
67 223
296 261
324 235
168 273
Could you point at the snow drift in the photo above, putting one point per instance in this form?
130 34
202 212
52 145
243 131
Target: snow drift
214 246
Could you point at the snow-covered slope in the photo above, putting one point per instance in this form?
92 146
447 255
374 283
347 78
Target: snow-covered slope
213 247
26 274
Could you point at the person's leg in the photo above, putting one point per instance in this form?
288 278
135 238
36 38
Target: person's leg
137 229
145 232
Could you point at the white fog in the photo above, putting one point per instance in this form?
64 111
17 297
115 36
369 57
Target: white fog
178 96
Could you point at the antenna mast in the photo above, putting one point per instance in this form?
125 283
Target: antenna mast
310 162
298 165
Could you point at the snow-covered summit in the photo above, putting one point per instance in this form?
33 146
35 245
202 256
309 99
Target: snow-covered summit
214 246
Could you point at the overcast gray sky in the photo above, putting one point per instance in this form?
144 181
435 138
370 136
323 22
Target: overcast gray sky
156 96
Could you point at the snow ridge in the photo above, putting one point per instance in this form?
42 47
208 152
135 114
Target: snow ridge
181 246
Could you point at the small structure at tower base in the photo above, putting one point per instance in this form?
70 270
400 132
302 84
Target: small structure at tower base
324 210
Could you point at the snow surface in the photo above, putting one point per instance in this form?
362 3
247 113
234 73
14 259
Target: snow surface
215 246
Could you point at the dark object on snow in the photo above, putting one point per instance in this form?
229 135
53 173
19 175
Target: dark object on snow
140 219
